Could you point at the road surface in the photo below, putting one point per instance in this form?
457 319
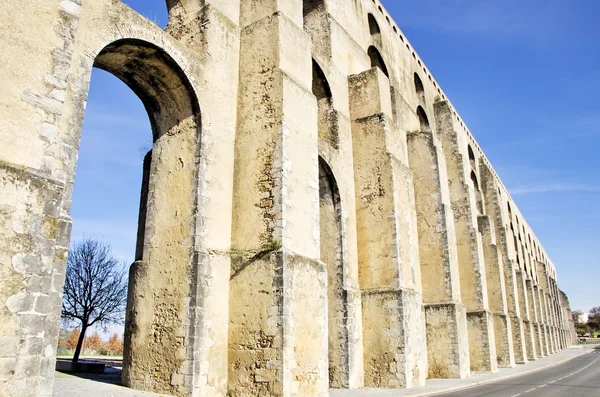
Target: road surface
579 377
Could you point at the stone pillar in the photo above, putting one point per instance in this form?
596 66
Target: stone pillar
543 314
535 320
560 316
546 300
526 315
555 318
445 315
394 326
278 290
495 210
35 191
539 293
497 294
473 283
552 305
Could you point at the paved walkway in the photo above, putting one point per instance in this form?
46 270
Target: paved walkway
102 385
437 386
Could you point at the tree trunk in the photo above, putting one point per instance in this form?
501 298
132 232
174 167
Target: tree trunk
79 344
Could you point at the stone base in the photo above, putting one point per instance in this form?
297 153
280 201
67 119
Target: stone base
395 352
482 345
447 341
539 339
505 353
518 333
530 341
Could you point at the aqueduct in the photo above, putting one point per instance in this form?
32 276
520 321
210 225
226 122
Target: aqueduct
314 212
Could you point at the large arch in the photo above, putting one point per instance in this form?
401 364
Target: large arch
332 255
158 309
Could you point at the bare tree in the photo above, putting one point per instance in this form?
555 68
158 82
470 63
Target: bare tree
95 290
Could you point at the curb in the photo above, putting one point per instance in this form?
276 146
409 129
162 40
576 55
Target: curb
488 381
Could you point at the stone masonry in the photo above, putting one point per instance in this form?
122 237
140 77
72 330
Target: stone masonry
314 213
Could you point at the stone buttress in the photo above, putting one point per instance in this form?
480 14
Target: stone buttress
463 186
445 315
394 343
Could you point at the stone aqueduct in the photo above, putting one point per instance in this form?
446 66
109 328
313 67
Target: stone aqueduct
314 213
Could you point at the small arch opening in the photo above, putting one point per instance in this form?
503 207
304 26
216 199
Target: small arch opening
377 60
320 86
423 119
471 154
419 88
328 117
474 180
478 194
472 160
373 25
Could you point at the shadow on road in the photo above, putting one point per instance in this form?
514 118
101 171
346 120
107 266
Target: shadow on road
112 371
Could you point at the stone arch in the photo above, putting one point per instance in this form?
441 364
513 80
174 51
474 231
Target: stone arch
327 115
515 242
423 119
320 85
158 308
374 29
478 194
419 88
474 180
471 154
377 60
331 243
155 78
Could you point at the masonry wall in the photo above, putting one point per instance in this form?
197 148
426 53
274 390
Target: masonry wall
313 215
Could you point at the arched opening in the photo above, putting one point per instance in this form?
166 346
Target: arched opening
159 280
423 120
374 29
419 88
320 86
515 243
377 60
332 255
327 123
471 155
478 194
474 180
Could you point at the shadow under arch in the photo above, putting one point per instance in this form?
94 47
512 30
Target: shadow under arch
156 78
161 301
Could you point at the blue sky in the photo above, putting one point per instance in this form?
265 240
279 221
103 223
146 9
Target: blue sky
522 74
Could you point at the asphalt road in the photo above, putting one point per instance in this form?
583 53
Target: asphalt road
579 377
